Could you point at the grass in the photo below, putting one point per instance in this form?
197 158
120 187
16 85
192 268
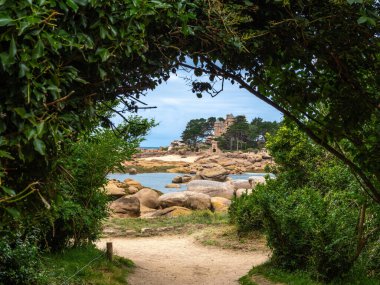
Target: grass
227 237
273 274
60 267
196 218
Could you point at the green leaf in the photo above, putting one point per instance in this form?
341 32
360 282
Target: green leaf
5 154
22 70
2 2
38 50
40 128
102 73
103 53
15 213
21 112
12 50
39 146
9 191
5 20
362 20
72 5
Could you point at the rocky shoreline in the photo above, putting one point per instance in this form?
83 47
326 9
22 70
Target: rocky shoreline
207 181
191 163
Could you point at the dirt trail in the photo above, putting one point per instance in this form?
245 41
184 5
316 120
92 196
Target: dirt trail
178 260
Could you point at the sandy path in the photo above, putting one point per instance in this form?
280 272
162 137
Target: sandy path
189 159
177 260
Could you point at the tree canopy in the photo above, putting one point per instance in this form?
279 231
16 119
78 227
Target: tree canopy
197 130
63 62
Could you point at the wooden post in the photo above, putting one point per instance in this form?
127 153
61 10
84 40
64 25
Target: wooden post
109 252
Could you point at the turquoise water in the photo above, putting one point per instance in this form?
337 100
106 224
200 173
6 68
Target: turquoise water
159 180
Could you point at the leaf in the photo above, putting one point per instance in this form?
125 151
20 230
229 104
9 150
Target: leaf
9 191
103 53
2 2
21 112
5 20
15 213
12 49
38 50
72 5
362 20
39 146
5 154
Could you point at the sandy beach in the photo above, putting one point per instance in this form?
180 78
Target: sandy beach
172 157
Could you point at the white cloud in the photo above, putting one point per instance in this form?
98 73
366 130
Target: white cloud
176 105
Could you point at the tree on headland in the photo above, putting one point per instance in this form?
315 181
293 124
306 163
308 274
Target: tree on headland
197 130
260 130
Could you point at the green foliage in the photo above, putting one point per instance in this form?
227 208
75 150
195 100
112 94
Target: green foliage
19 259
310 211
197 130
59 267
81 203
246 213
243 135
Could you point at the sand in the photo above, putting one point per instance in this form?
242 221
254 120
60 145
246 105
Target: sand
189 159
178 260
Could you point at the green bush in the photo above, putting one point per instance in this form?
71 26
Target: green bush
308 231
246 213
19 260
81 203
310 211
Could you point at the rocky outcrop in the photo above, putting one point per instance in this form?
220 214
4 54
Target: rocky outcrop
187 199
241 183
212 188
148 198
182 179
127 206
214 172
170 212
134 183
112 189
172 185
132 171
220 204
254 180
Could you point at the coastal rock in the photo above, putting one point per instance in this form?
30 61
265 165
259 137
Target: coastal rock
113 190
132 171
241 183
254 180
214 173
127 206
133 190
186 178
172 185
212 188
134 183
177 179
148 198
187 199
220 204
242 191
174 211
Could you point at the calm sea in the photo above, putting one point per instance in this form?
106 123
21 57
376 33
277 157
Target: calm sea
159 180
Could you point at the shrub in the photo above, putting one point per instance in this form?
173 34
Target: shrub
19 260
246 213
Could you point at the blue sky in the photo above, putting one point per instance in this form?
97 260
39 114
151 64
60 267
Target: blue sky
176 105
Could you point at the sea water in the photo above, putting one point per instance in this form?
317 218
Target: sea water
158 180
